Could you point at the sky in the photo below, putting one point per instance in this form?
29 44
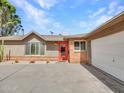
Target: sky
65 17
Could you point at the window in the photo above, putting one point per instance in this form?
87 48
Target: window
51 47
83 45
42 48
35 48
79 45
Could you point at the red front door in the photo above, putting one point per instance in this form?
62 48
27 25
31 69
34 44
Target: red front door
63 51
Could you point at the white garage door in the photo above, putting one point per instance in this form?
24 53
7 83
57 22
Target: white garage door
108 54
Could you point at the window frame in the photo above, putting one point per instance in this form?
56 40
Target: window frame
39 45
80 50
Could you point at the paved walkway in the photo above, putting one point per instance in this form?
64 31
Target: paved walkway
49 78
116 85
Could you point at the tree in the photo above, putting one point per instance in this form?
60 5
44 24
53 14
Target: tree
10 23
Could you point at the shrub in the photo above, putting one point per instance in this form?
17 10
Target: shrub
48 62
32 61
16 61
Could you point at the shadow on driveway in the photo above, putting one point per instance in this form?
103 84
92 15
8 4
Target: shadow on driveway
116 85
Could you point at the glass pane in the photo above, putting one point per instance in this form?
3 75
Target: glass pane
51 47
42 49
76 46
83 45
32 48
37 48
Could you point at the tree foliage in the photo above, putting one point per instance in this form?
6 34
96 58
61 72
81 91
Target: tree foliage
10 23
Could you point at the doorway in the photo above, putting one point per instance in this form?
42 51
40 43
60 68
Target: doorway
63 51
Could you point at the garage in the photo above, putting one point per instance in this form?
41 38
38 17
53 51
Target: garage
106 47
108 54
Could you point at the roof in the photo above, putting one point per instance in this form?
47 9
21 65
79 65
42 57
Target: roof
11 38
53 37
116 19
44 37
75 36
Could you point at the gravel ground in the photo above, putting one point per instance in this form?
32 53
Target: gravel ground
116 85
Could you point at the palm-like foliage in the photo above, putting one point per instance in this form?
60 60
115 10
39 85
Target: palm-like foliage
10 23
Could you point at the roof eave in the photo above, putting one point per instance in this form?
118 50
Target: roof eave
33 33
116 19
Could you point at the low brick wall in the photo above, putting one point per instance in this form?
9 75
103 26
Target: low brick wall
32 58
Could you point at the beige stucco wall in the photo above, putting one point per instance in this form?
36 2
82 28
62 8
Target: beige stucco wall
33 39
17 48
76 57
108 54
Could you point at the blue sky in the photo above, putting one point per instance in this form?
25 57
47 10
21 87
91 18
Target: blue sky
65 16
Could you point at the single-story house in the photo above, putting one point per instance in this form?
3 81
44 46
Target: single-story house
36 47
103 47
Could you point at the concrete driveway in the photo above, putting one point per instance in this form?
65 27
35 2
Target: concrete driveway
49 78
